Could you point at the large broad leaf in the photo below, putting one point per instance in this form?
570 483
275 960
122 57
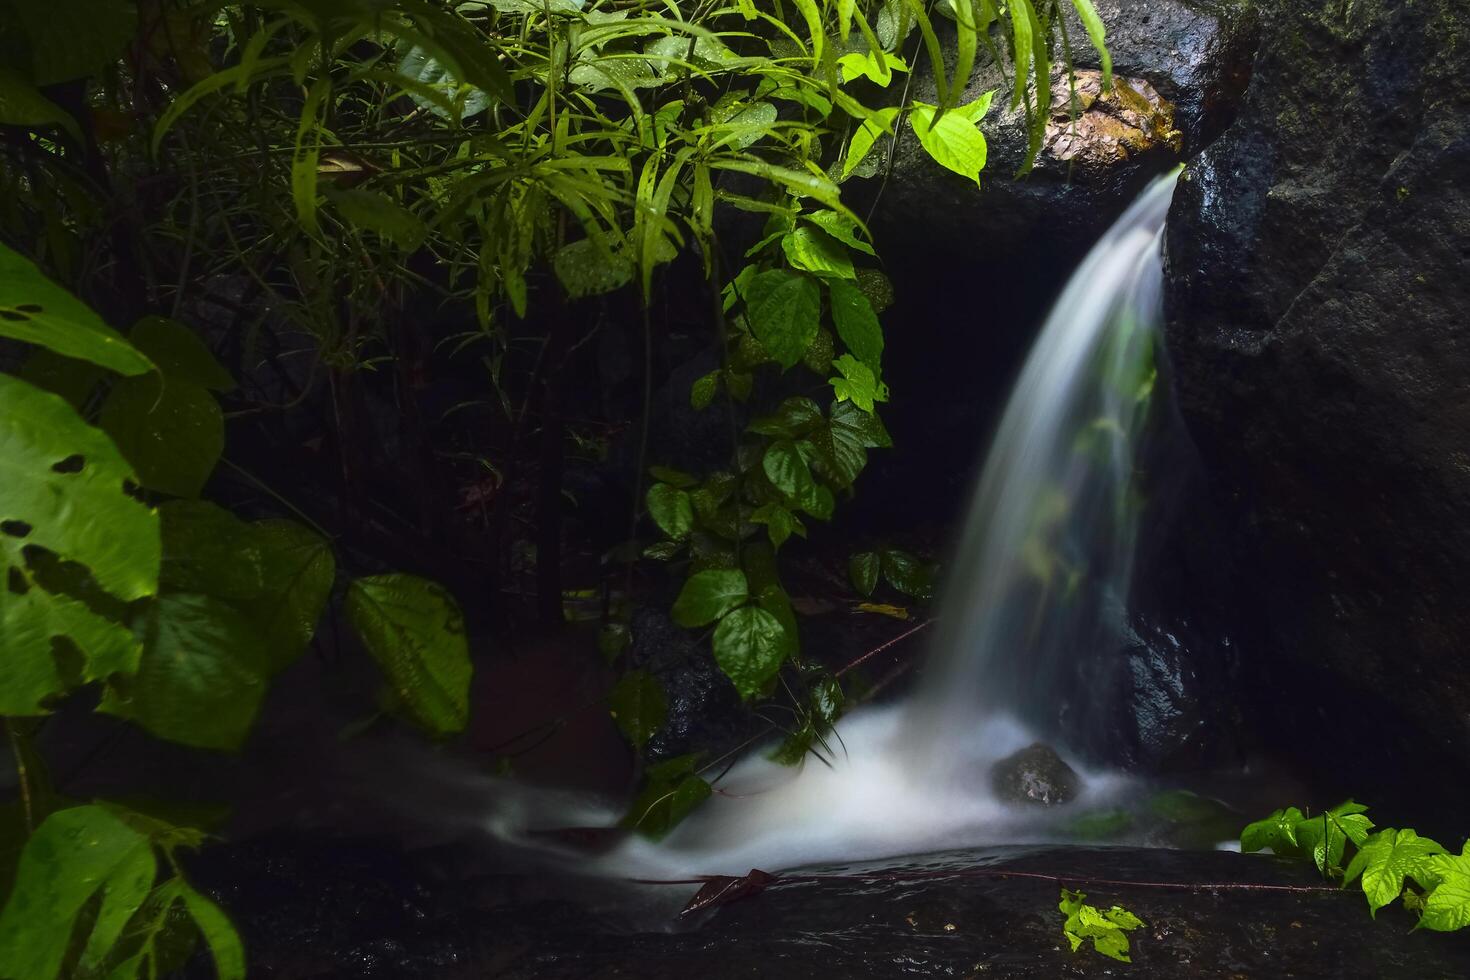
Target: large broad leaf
954 141
750 645
71 39
53 468
172 432
787 469
708 595
36 310
1385 859
180 353
414 630
783 308
1447 907
638 706
22 105
202 676
208 550
74 855
381 215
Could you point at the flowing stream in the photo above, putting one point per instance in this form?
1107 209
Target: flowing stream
1039 580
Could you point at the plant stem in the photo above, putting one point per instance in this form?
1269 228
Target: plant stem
23 776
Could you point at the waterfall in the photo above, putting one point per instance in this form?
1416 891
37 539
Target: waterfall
1041 573
1043 568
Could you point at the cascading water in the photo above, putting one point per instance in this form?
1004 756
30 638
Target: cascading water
1041 572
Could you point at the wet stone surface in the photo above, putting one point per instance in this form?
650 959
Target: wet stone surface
326 910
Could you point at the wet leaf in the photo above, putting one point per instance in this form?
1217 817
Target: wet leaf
638 706
709 595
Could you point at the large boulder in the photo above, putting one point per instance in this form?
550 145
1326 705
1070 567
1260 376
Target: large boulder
1319 327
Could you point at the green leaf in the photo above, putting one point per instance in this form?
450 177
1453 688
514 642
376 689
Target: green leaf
207 549
172 432
1447 907
72 856
219 934
671 510
1278 832
856 323
858 384
877 288
795 417
413 628
709 595
299 569
862 569
307 154
1383 861
381 215
784 308
703 391
908 574
750 646
870 65
37 311
1325 837
817 252
671 791
586 268
638 706
53 466
780 523
1108 931
863 138
202 675
787 469
423 67
954 141
21 104
179 353
843 227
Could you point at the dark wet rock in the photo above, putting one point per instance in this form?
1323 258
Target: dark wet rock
338 911
706 714
1318 305
1036 774
1181 65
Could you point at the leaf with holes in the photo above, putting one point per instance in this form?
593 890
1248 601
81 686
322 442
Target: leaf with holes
171 431
414 630
638 706
202 675
35 310
54 466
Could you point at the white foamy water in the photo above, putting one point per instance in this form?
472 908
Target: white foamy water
1043 570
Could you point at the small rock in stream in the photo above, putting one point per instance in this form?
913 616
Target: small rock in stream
1036 774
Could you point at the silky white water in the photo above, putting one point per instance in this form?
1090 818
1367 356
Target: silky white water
1042 570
